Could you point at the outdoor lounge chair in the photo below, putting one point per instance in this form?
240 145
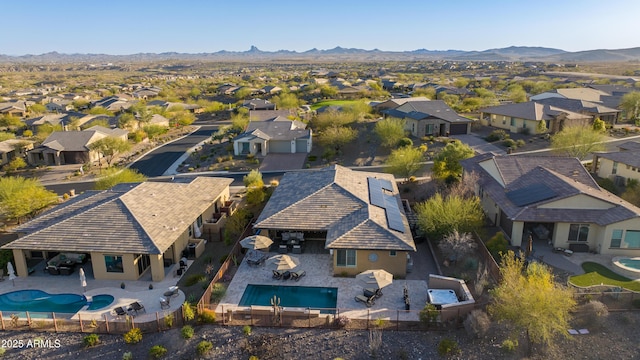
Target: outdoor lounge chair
120 311
286 275
277 274
136 306
369 301
164 303
371 292
296 275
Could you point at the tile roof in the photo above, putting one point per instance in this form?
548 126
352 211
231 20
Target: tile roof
433 108
566 177
336 200
532 110
139 218
626 157
278 128
578 106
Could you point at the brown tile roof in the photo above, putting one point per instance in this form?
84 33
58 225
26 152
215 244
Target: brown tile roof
144 218
336 200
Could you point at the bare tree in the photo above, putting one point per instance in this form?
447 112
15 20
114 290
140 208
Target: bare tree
456 245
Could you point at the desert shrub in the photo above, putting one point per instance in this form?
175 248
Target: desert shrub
157 351
217 293
477 323
312 158
520 143
593 313
194 279
429 314
187 311
187 332
509 345
204 347
127 356
405 142
448 347
168 320
497 135
207 316
274 182
509 143
497 245
246 330
412 178
91 340
341 321
133 336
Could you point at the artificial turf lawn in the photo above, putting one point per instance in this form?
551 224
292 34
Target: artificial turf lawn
596 274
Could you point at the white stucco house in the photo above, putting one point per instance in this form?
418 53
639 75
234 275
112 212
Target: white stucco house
276 135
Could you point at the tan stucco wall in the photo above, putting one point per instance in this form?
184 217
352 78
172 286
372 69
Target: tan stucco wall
100 268
580 201
396 265
605 238
504 122
605 170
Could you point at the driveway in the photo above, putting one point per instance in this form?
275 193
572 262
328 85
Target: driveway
480 145
276 162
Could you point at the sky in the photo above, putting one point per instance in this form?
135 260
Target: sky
121 27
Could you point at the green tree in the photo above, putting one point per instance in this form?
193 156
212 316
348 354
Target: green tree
440 215
599 125
357 109
286 101
530 299
446 164
541 127
242 93
20 197
253 179
109 147
6 135
390 131
329 119
337 137
630 103
44 130
153 131
405 161
429 93
37 109
517 93
577 141
126 121
114 176
10 121
328 92
99 110
239 122
15 164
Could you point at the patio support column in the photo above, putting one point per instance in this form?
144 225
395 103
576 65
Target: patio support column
516 233
157 267
20 262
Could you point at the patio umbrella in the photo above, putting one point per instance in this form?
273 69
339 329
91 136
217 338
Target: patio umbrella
196 232
83 280
375 278
256 242
12 273
283 262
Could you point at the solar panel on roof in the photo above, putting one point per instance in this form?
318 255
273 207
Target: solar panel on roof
375 192
385 184
394 216
531 194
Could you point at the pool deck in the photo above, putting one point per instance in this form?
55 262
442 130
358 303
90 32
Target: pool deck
134 291
319 273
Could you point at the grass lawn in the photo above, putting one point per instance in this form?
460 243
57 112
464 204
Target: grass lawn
332 102
596 274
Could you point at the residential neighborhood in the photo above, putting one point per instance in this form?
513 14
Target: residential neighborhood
331 203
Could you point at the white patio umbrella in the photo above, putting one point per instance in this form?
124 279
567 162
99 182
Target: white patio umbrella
196 232
283 262
375 278
83 279
12 273
256 242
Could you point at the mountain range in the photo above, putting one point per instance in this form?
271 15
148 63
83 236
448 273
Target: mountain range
513 53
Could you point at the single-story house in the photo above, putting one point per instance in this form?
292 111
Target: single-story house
72 147
13 108
12 148
258 104
588 94
619 166
357 216
430 117
526 116
394 103
595 110
277 135
554 199
126 231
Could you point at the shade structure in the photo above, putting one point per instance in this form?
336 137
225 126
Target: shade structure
83 279
283 262
256 242
375 278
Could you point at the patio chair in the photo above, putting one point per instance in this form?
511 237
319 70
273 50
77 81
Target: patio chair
282 249
173 290
136 306
277 274
286 275
369 301
296 275
120 311
165 303
371 292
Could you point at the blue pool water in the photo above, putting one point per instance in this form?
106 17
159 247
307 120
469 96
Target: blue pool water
40 301
633 263
291 296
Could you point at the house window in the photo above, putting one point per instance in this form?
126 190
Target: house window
578 232
614 169
632 239
346 258
392 253
113 263
143 262
190 230
428 129
616 238
513 121
199 221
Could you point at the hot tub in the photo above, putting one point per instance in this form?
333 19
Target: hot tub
442 296
629 267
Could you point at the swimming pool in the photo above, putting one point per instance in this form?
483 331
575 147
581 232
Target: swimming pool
629 267
40 301
291 296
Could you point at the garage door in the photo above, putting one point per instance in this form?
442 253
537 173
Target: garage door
301 146
279 146
458 129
